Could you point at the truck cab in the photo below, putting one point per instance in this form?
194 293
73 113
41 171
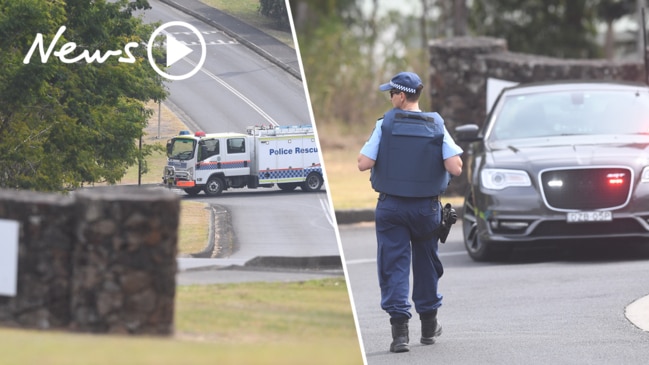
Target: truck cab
208 162
287 156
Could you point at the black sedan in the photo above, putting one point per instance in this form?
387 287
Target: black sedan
557 162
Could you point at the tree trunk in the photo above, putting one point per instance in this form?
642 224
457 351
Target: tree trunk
609 47
459 18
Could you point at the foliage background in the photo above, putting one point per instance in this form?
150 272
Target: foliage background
275 9
65 125
350 47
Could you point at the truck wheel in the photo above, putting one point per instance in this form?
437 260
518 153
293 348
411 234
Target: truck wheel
313 182
193 191
214 186
287 186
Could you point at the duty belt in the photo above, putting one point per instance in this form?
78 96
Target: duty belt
382 196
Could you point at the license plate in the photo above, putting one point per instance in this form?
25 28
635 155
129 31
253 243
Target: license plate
575 217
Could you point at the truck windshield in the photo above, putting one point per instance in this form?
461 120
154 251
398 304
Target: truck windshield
182 149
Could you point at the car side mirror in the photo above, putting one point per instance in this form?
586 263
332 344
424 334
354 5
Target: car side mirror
169 147
467 133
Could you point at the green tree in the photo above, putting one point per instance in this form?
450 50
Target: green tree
275 9
66 124
347 51
610 11
558 28
332 56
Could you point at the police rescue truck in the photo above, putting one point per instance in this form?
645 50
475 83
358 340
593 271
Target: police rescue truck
263 156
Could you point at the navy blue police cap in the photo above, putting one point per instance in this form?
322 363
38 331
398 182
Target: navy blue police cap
404 81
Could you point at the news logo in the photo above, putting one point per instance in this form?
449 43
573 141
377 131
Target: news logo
174 50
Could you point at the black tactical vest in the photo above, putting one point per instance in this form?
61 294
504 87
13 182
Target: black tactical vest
410 162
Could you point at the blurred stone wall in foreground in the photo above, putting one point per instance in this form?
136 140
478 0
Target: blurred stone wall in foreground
102 260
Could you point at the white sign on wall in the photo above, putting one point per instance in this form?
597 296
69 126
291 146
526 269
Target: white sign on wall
8 257
494 87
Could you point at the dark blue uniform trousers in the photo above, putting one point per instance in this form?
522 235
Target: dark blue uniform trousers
403 231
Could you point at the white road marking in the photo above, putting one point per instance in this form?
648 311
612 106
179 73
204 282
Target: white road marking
236 93
638 313
325 206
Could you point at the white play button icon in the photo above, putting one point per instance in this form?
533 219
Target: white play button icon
176 50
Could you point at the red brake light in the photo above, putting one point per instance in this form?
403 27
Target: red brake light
615 178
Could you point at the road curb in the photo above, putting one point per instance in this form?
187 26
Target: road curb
353 216
296 263
331 265
222 241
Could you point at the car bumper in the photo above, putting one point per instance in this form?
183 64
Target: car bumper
524 218
178 183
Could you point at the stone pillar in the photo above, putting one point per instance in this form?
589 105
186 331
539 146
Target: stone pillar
44 269
457 77
125 261
458 84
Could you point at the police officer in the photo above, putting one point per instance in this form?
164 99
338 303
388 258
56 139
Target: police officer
411 155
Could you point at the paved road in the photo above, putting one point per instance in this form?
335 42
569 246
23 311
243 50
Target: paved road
237 87
544 307
248 78
272 223
279 236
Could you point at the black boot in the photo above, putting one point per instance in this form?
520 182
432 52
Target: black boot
399 335
430 328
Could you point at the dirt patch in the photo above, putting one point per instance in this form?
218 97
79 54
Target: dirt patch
162 125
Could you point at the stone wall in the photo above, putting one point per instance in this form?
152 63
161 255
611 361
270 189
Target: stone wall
461 66
101 260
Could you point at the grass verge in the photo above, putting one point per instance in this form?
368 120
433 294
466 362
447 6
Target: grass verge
248 11
193 230
162 125
350 188
225 324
